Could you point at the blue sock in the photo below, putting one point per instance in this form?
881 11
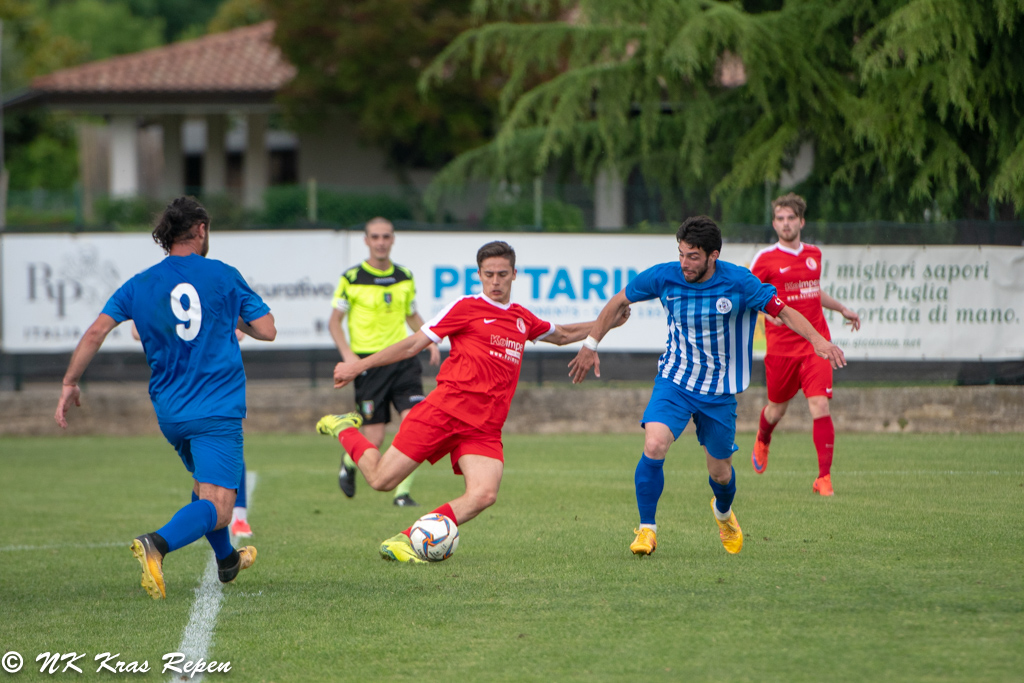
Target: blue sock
220 539
724 493
650 482
189 524
240 499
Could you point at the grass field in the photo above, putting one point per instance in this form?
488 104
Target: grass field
913 572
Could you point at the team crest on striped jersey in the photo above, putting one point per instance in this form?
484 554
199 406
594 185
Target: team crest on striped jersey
723 305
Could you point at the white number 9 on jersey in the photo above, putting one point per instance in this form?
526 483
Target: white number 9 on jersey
193 316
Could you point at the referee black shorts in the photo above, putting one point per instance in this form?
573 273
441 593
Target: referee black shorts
377 389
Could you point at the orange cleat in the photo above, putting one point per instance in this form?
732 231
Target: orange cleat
241 529
823 485
759 457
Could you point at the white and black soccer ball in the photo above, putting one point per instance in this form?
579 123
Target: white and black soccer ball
434 537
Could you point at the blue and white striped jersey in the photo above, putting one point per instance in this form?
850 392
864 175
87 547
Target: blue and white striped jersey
710 324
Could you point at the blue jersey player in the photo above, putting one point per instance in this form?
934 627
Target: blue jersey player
712 307
186 309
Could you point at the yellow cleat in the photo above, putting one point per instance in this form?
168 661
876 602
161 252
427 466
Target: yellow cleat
246 556
729 531
332 425
399 549
152 566
646 542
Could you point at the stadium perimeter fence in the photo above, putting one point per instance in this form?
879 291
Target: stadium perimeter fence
315 365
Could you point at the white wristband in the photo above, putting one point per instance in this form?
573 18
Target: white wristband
590 343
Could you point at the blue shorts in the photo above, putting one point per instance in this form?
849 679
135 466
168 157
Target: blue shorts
714 416
211 448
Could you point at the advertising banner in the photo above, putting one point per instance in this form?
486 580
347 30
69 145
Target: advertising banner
940 303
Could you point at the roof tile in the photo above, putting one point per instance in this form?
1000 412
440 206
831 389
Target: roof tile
242 59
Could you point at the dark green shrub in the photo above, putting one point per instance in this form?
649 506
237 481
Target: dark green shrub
286 205
128 213
557 216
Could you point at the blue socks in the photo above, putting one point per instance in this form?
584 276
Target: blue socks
650 482
724 493
193 521
240 498
189 524
220 539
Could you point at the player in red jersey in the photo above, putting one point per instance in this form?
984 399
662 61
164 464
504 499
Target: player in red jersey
464 415
790 363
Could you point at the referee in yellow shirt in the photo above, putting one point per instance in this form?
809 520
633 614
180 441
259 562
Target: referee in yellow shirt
378 300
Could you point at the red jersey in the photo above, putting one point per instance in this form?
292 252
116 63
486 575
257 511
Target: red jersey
797 279
477 381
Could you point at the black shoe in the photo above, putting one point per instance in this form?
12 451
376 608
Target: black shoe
405 501
347 479
228 568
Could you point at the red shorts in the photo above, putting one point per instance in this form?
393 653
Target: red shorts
428 433
785 375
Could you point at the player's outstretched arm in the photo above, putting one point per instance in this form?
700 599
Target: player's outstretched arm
795 321
262 328
614 313
852 319
85 351
407 348
574 332
415 322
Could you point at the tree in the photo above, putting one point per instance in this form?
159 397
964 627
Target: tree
104 29
183 19
912 101
41 36
237 13
363 58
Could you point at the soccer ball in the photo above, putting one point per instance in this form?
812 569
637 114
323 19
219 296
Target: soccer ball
434 537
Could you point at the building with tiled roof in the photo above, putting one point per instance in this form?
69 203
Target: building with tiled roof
241 66
195 116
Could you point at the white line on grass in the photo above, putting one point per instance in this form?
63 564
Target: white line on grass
63 546
198 635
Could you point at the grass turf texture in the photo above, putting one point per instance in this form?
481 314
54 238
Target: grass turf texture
911 573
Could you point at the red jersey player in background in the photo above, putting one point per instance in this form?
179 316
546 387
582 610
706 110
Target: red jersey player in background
790 363
464 415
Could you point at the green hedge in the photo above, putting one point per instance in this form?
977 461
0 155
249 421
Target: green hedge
557 216
286 205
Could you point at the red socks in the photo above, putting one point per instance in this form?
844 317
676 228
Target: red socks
445 510
764 430
354 443
824 440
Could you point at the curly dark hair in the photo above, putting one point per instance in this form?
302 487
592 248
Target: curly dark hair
493 249
700 232
177 222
